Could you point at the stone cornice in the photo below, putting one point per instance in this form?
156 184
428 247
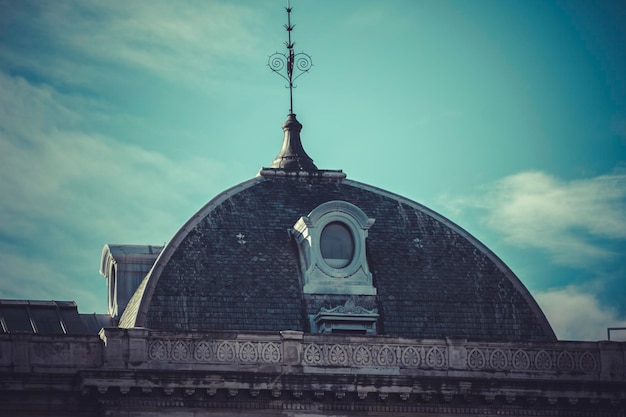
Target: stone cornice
565 360
315 365
35 353
293 371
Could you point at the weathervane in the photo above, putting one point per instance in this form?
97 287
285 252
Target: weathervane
301 62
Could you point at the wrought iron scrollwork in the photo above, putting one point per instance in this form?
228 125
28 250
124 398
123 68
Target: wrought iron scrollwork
290 65
301 61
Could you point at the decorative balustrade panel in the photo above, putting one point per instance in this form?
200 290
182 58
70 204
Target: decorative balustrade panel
404 356
426 356
214 351
539 360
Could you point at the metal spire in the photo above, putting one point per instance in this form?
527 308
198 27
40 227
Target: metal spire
300 62
292 156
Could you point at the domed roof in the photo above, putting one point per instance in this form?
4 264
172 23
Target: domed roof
247 261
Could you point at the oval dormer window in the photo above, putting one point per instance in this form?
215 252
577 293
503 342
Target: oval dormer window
337 245
331 245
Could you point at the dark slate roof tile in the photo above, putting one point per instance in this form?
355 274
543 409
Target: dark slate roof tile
448 285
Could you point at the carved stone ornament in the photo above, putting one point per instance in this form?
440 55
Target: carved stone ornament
348 317
507 360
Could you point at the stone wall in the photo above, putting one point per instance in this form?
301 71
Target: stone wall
138 372
291 363
35 353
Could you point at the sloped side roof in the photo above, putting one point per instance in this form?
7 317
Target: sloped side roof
124 267
133 259
448 285
48 317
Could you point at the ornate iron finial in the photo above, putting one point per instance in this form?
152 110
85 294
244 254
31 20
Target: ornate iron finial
300 62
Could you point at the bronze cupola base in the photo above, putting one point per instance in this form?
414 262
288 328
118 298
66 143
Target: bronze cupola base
292 155
292 161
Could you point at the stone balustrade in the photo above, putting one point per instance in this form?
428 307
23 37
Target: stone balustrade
146 364
314 354
141 348
32 353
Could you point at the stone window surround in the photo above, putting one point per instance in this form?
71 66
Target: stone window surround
319 277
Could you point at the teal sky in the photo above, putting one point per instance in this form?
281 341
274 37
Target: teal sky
120 119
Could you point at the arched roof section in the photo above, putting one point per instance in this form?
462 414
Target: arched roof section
538 314
135 313
234 266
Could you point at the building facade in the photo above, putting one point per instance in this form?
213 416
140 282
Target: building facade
301 292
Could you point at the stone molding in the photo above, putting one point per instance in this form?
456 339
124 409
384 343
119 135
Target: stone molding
26 353
303 369
214 351
141 348
318 276
534 360
140 367
411 356
434 355
563 360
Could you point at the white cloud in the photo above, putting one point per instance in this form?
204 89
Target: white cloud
579 224
51 168
576 314
184 41
68 191
564 218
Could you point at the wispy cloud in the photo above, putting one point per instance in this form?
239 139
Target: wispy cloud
51 166
580 225
71 178
576 314
570 220
179 41
67 191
